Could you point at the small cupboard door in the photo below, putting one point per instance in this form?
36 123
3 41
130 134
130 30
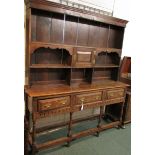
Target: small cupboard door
83 57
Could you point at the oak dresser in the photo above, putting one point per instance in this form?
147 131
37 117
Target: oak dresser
72 65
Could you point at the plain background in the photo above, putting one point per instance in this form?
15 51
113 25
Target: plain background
139 44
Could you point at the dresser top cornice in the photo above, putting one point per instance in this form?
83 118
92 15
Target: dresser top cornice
64 9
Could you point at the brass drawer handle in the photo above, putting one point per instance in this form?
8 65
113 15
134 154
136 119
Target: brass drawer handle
112 94
63 102
82 100
121 93
97 97
47 106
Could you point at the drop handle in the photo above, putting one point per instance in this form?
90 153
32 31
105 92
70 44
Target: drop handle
120 93
63 102
112 94
97 97
47 106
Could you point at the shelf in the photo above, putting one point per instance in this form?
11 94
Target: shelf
101 78
107 66
67 66
79 82
83 66
49 66
54 83
37 44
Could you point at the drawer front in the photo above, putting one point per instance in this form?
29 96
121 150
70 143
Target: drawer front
88 98
48 104
58 111
117 93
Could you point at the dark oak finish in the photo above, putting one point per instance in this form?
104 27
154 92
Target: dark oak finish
125 76
49 104
125 71
127 109
72 63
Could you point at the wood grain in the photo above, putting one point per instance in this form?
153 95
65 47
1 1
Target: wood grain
72 64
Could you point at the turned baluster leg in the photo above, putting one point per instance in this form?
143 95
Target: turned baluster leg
99 119
121 115
25 137
69 129
33 137
26 125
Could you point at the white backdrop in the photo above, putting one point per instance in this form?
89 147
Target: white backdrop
138 42
100 4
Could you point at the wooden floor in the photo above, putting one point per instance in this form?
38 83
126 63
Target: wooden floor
110 142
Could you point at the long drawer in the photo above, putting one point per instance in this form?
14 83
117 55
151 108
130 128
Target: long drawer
53 103
88 97
116 93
